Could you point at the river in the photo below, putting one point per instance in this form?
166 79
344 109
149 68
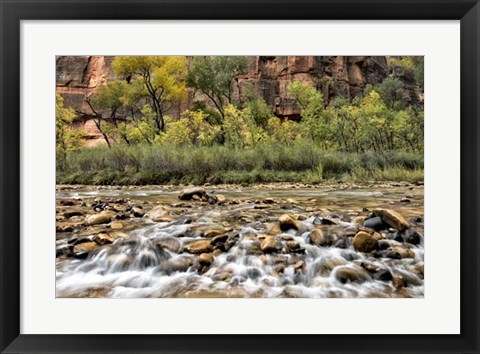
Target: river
263 241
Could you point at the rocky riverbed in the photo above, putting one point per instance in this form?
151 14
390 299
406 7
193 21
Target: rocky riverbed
277 240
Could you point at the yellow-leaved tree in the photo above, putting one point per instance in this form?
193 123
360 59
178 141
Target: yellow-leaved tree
67 139
159 81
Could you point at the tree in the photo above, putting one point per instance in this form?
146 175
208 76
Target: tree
391 91
160 79
214 75
316 123
66 138
106 103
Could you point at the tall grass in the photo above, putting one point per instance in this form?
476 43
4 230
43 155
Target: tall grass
301 162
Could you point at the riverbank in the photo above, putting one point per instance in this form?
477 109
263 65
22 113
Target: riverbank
275 240
296 163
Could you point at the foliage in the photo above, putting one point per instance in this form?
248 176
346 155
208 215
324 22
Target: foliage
214 75
240 128
377 136
66 138
191 129
160 80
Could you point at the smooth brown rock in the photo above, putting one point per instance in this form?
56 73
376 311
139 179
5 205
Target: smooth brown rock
288 222
170 243
268 244
82 250
103 239
200 246
392 218
116 225
354 274
138 212
365 242
205 259
100 218
319 237
402 252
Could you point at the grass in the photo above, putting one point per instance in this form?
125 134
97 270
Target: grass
306 163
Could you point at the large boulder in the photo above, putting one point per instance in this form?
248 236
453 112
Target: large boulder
392 218
188 193
365 242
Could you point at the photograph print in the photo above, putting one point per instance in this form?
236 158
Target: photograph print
239 177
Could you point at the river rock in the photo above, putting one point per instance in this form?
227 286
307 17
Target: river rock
176 264
159 214
418 269
400 253
407 278
68 213
138 211
393 219
82 250
325 265
354 274
205 259
63 251
293 245
221 199
68 202
365 242
413 237
274 229
188 193
119 262
319 237
217 241
200 246
288 222
170 243
268 244
116 225
383 275
103 239
100 218
375 223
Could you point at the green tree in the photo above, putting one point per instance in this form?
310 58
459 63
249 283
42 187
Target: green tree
391 91
66 138
160 79
316 122
191 129
214 77
105 104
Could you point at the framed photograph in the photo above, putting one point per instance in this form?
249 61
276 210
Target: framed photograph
236 176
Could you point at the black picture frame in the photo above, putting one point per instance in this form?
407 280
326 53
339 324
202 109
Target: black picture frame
12 12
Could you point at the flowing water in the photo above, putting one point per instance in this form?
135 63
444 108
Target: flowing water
149 259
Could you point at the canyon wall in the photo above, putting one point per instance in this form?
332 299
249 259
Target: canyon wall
77 77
